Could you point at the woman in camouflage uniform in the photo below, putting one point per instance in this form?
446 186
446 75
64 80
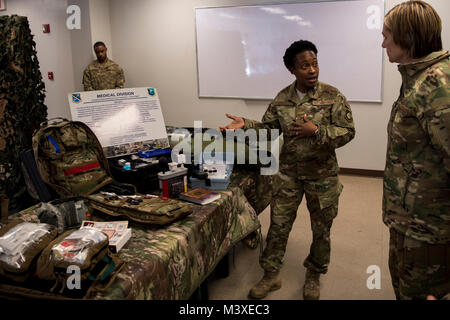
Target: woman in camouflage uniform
315 119
416 189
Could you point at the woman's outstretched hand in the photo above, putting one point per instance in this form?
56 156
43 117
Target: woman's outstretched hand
237 123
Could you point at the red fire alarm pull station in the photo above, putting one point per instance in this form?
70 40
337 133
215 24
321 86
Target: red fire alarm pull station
50 75
46 28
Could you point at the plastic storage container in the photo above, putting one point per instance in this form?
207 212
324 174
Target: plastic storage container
173 182
218 170
141 174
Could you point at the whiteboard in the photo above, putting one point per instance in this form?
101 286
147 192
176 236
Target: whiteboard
240 49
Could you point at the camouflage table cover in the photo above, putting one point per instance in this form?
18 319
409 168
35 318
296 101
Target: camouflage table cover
171 262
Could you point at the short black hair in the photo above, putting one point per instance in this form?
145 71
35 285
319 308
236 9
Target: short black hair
296 48
98 44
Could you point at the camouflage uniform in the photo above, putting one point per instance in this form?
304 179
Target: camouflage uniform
102 76
416 187
308 166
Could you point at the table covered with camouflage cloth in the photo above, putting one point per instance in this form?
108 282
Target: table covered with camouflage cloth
171 262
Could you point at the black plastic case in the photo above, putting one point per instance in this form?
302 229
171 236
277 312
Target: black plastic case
144 176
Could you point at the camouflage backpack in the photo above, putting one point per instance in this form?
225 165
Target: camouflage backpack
70 158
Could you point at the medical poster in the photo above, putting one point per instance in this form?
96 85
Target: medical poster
125 121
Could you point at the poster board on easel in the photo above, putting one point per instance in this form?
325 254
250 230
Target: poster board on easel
125 121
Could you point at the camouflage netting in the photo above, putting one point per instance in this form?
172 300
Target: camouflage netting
22 107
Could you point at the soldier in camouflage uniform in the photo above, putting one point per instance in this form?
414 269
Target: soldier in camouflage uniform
102 73
416 188
315 119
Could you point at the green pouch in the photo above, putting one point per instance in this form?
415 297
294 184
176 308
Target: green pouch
154 211
86 249
82 248
20 245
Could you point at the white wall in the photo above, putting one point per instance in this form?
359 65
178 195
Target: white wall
154 41
53 49
65 52
100 25
81 46
368 149
95 26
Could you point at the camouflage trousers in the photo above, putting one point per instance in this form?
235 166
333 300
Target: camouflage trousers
418 269
322 196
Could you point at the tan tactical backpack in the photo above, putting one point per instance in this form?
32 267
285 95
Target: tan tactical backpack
70 158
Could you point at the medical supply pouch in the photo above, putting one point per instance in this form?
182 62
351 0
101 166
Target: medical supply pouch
70 158
64 214
20 245
83 249
141 208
